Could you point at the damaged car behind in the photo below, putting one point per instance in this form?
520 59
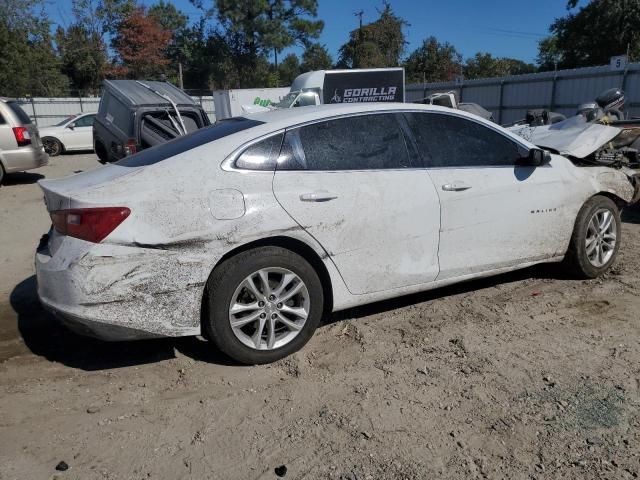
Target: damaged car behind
249 230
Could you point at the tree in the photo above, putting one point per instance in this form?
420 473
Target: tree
289 69
433 62
83 56
484 65
140 44
28 61
270 25
378 44
168 16
316 57
593 34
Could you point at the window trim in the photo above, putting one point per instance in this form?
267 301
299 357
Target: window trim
229 163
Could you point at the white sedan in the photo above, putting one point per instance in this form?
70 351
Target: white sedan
249 230
72 134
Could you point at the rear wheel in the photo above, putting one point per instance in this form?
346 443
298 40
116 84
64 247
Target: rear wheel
264 304
1 173
52 146
101 153
596 238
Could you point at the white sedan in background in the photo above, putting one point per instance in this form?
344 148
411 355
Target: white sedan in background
72 134
249 230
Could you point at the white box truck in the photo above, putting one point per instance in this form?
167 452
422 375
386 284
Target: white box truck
346 86
235 103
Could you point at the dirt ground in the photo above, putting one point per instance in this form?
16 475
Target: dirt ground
527 375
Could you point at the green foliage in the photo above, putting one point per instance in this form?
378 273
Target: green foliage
592 35
270 26
378 44
168 16
28 61
83 57
433 62
288 70
316 57
484 65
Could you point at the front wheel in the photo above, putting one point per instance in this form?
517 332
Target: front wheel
596 238
52 146
264 304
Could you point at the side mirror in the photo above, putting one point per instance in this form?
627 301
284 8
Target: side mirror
71 126
538 157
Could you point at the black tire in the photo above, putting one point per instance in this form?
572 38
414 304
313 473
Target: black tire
101 153
228 276
1 173
52 146
576 261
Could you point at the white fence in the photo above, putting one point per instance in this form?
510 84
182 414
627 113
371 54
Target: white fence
49 111
562 91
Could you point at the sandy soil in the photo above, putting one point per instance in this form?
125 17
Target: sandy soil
527 375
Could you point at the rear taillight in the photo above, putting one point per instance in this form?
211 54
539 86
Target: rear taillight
90 224
130 148
22 136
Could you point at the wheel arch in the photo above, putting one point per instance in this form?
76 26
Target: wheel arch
619 201
62 147
295 245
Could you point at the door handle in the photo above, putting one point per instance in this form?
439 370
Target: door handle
318 196
455 187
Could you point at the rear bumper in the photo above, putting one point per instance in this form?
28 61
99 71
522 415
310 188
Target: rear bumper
95 328
24 158
115 292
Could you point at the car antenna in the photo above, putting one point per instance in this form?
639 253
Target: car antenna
168 99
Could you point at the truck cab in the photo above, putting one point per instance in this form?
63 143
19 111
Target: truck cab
345 86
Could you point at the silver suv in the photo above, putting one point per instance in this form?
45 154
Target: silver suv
20 144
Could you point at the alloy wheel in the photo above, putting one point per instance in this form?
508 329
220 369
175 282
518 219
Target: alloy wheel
269 308
600 242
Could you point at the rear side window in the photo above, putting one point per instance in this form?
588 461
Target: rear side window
365 142
19 112
182 144
452 141
261 155
2 120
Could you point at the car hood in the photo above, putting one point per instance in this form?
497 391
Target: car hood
572 137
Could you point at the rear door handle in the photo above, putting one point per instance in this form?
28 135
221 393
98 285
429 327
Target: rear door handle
455 187
318 196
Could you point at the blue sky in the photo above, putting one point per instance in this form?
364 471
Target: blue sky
500 27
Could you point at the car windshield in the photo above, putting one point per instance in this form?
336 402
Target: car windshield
287 100
65 121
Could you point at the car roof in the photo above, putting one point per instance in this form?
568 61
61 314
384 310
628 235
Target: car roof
290 116
136 94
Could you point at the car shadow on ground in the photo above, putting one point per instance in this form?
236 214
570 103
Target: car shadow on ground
48 338
21 178
631 214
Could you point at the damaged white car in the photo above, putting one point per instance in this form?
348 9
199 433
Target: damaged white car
248 230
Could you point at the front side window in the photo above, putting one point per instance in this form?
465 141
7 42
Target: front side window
451 141
365 142
261 155
86 121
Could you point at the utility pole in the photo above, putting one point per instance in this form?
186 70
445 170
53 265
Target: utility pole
359 14
180 76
